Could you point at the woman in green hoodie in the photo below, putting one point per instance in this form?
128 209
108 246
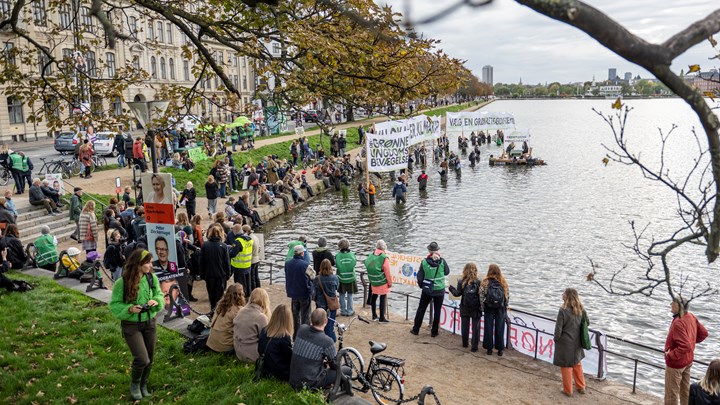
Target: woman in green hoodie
135 302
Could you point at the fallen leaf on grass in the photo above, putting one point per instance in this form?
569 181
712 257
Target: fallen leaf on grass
71 399
40 394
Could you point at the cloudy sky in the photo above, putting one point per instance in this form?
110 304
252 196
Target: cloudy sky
520 43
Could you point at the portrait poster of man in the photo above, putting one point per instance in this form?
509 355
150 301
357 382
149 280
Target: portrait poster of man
161 243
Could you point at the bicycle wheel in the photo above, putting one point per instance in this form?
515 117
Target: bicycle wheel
386 386
66 171
351 358
75 167
101 161
4 177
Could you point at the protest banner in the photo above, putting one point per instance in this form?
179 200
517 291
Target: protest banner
389 146
518 136
467 121
404 268
197 154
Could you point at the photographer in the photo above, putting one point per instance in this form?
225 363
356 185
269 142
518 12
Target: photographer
135 302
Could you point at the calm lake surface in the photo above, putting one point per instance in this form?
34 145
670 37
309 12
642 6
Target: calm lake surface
541 224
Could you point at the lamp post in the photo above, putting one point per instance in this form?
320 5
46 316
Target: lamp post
146 113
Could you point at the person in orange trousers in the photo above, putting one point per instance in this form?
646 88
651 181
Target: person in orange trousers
568 346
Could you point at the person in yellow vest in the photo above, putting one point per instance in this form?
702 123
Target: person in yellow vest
431 278
241 256
378 270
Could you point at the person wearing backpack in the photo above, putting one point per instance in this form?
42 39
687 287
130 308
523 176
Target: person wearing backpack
468 287
495 291
135 301
431 278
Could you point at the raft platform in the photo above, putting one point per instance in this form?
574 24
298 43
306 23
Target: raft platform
495 161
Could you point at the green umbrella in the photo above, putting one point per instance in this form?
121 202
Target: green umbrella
241 120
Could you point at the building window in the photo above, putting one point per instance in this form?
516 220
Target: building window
160 35
151 31
169 30
153 67
133 27
67 63
136 62
86 19
52 107
15 111
64 16
217 79
171 67
91 64
276 48
4 7
163 73
244 61
39 12
244 82
186 70
235 81
96 106
117 107
222 59
9 52
208 83
110 61
44 66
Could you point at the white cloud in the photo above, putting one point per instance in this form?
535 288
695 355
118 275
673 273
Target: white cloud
519 42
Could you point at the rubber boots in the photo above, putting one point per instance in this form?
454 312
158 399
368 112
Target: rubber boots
144 381
135 392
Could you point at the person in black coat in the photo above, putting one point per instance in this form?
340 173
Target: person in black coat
216 264
705 391
188 196
470 307
15 252
277 347
242 208
320 254
50 192
119 146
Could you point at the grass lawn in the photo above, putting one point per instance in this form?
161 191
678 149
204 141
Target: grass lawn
60 346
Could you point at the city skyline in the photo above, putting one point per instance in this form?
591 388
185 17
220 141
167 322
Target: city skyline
518 42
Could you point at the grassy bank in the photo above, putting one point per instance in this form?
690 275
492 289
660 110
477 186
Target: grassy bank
63 347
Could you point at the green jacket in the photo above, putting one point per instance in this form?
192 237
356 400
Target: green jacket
373 264
46 250
119 307
345 262
75 207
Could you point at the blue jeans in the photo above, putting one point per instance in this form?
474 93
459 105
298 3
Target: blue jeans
330 327
223 187
301 313
346 304
121 160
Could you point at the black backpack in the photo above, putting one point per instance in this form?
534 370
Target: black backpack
471 296
495 297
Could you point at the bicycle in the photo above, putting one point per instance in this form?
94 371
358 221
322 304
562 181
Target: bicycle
5 175
384 376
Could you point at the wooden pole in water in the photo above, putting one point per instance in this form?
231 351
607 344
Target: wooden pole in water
367 160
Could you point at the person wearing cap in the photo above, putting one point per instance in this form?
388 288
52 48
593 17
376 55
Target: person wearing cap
378 270
320 253
685 332
75 210
298 286
135 301
69 263
46 245
302 240
241 257
431 278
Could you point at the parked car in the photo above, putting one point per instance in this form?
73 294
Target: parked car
104 142
66 142
310 116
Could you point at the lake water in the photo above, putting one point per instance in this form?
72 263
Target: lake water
541 224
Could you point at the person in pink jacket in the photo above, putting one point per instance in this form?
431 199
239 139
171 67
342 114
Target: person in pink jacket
685 332
378 269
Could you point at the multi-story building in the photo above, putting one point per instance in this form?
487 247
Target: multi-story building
705 81
487 74
628 76
612 74
156 49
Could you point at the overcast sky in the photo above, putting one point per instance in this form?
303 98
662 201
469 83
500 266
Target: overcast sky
520 43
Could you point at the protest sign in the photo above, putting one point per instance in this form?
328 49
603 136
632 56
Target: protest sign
478 121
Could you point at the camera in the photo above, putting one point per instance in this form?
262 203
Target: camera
144 308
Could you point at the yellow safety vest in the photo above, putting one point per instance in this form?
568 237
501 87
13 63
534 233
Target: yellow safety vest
243 259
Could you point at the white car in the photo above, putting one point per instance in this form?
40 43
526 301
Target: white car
104 142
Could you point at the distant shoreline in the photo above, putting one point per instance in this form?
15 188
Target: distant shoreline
588 98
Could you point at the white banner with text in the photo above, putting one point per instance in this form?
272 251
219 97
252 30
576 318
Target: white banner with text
478 121
389 146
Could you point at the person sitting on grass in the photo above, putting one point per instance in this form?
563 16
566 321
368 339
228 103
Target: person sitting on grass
276 344
15 251
221 330
248 323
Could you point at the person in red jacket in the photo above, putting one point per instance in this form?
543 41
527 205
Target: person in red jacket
685 332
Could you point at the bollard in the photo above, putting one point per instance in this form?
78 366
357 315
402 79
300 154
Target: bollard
635 376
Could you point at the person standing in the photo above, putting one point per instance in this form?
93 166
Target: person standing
135 301
187 198
422 180
298 286
88 227
139 154
568 344
18 166
685 332
258 254
241 256
216 264
86 154
326 284
119 146
371 192
399 191
321 253
75 210
378 270
211 192
707 390
345 261
431 278
495 290
468 287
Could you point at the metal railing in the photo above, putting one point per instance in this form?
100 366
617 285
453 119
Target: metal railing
362 275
